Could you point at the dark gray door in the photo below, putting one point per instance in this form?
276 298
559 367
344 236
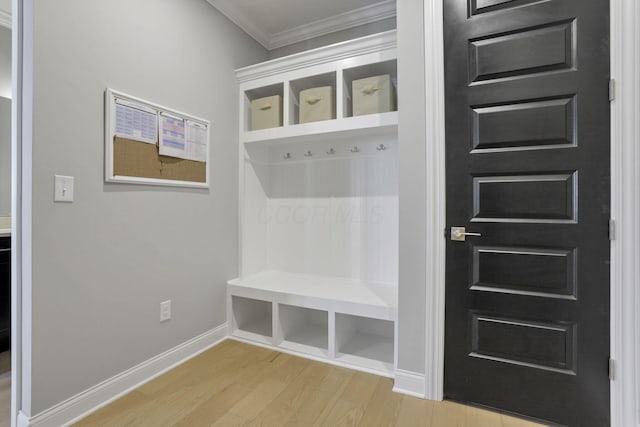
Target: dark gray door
527 121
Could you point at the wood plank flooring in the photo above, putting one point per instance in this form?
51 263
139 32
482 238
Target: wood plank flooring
5 362
5 399
5 389
235 384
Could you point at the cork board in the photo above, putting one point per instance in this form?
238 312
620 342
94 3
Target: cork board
135 137
138 159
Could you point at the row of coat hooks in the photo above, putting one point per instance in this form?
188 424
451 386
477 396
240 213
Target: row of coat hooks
331 152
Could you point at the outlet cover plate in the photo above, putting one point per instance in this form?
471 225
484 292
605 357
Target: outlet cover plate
165 311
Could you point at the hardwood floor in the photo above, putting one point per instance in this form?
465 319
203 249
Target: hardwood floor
5 389
5 362
235 384
5 399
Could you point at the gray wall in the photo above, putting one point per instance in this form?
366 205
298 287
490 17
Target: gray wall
5 156
5 121
340 36
5 62
5 5
102 264
413 209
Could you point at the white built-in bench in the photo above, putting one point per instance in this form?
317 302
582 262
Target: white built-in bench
342 321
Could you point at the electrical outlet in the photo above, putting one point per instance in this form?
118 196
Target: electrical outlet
165 311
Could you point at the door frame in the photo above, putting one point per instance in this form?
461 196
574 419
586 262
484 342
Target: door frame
21 210
625 206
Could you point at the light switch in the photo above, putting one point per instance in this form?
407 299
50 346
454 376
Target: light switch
63 191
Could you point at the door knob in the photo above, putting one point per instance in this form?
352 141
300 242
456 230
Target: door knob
459 234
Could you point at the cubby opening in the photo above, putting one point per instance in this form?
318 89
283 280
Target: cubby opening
365 338
369 70
252 316
258 93
299 85
305 327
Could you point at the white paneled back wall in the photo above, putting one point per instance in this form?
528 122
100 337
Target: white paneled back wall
323 212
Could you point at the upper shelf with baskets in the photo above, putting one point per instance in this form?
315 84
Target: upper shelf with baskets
345 88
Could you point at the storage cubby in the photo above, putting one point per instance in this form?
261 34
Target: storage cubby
319 212
304 329
258 93
368 341
365 71
252 318
299 85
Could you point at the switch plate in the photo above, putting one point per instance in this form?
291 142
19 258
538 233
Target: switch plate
63 189
165 311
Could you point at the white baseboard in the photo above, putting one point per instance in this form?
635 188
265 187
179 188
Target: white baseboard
409 383
82 404
23 420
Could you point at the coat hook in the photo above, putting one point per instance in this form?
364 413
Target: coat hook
381 147
331 151
308 153
355 149
287 156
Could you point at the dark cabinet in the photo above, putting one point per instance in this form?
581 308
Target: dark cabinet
5 293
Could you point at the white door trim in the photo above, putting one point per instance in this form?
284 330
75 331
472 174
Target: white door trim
21 134
625 205
625 210
436 199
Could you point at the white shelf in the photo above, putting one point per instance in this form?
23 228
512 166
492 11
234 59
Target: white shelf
342 321
256 331
351 127
336 66
374 300
304 329
370 346
311 340
374 351
363 341
252 319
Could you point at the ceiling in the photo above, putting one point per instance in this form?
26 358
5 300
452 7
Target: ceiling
277 23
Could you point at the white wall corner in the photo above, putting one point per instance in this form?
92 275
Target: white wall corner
409 383
362 16
235 15
83 404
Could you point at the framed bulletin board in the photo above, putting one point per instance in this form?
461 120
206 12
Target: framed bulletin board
146 143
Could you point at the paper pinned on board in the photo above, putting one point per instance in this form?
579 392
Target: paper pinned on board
172 136
197 137
182 138
136 122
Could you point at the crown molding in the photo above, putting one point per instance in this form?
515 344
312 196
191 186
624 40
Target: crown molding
365 15
374 43
236 15
5 19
